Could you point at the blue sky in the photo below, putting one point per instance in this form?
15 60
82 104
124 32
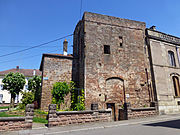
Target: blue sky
26 23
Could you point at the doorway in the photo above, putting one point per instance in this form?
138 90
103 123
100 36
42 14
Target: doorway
112 106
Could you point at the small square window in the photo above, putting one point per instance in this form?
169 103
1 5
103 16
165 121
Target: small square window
106 49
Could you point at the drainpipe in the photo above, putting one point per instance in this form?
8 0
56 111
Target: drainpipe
125 104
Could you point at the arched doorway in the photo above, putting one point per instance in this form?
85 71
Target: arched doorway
115 95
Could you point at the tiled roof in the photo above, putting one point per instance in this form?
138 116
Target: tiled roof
26 72
68 55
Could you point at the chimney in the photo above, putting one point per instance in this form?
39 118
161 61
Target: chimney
153 27
65 44
34 72
17 67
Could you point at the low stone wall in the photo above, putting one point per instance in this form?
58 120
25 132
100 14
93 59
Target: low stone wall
138 112
76 117
141 112
17 123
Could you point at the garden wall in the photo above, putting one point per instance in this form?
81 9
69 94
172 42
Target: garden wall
76 117
139 112
18 123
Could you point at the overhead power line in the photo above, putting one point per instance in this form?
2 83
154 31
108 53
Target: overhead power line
35 46
11 46
27 57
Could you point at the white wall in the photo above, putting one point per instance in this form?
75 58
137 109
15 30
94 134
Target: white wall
7 95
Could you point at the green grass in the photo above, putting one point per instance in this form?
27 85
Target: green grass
38 111
40 120
4 114
4 107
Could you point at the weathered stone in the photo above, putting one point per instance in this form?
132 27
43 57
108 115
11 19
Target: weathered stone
107 76
109 62
55 68
17 123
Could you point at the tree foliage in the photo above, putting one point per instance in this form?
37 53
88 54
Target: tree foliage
77 100
34 85
34 93
27 98
60 90
14 83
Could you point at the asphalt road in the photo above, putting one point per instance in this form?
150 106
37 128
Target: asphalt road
160 125
165 128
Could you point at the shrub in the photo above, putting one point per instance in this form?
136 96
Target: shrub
59 91
27 98
77 101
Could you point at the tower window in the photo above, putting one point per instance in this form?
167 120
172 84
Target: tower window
121 41
171 58
106 49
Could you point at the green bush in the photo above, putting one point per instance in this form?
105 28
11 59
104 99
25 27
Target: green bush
27 98
77 101
34 85
59 91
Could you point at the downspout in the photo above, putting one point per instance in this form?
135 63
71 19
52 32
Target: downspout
125 104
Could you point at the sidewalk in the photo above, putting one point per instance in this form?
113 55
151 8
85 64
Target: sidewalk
40 129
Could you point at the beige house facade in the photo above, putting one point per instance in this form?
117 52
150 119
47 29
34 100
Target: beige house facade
165 66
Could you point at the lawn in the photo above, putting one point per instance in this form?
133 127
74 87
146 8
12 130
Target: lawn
39 116
4 107
40 120
4 114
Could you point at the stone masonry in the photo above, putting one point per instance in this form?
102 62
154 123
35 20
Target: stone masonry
122 70
76 117
56 68
160 44
18 123
110 62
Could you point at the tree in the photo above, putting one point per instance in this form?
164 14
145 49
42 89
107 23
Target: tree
34 85
14 83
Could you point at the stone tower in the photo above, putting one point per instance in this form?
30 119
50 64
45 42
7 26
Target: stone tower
110 62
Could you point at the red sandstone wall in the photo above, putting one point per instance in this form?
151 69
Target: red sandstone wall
18 123
76 117
106 76
126 63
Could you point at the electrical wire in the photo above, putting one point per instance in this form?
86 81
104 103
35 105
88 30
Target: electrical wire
35 46
27 57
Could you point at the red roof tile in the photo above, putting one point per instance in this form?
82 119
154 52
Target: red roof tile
26 72
68 55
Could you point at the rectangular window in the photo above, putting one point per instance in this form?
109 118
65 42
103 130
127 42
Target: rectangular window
1 98
1 86
17 99
120 41
171 58
26 87
106 49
